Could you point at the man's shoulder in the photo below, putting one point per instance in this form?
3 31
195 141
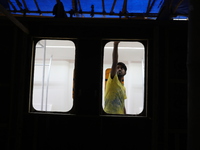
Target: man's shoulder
114 78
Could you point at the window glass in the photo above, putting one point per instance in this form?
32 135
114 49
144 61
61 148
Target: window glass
53 75
132 54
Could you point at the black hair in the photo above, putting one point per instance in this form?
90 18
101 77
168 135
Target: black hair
123 65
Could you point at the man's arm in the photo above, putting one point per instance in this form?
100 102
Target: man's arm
115 59
124 110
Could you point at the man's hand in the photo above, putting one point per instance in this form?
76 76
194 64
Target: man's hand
115 59
116 43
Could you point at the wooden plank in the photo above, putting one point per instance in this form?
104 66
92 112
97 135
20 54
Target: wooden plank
14 20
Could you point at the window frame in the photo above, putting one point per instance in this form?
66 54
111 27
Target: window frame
31 109
144 113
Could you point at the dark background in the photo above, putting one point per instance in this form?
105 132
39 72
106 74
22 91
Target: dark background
85 127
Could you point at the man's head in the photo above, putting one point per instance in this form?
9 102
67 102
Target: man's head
121 69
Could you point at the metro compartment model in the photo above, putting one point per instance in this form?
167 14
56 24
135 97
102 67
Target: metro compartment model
54 79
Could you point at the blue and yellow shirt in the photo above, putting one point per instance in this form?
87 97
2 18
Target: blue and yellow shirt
115 95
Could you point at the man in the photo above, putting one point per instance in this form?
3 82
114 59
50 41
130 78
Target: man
115 93
58 10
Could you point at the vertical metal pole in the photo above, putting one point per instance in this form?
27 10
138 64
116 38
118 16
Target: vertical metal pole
43 75
124 8
113 6
193 62
103 7
47 87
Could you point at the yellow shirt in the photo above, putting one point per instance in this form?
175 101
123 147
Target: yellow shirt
115 95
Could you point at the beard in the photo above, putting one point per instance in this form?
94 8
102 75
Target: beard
120 75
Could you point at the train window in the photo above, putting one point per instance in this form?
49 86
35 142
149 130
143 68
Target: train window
53 75
132 54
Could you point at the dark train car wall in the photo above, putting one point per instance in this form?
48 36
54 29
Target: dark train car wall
53 82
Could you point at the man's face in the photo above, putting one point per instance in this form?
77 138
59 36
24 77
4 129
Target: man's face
120 71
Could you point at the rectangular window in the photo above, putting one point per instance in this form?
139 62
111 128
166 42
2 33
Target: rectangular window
132 54
52 88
